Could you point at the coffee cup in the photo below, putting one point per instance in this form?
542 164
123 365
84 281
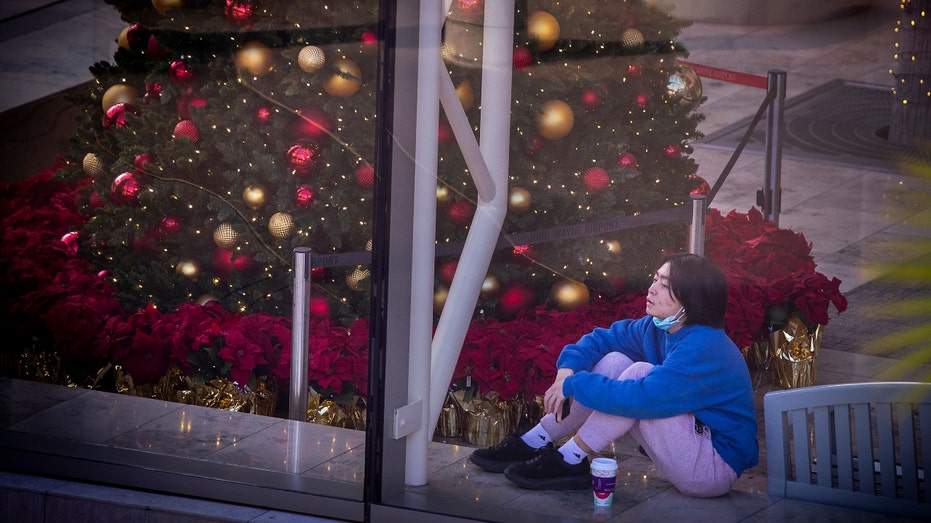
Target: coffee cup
604 479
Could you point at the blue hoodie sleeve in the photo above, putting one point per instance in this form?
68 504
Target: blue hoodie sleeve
624 336
696 368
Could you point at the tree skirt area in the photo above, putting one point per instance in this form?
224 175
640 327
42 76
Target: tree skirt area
63 323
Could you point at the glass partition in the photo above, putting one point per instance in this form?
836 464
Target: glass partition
223 135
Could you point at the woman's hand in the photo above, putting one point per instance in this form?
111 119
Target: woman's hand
553 399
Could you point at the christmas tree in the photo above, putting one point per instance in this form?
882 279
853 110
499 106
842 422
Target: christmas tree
228 132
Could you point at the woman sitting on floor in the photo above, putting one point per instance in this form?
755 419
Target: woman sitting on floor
673 379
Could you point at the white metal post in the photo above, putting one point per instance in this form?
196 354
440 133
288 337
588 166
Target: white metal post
300 334
775 127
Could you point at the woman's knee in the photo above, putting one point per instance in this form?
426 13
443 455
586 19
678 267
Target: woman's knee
612 364
637 370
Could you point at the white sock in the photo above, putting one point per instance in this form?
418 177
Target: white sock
536 437
571 452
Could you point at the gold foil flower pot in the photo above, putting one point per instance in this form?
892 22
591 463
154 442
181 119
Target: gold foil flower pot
795 353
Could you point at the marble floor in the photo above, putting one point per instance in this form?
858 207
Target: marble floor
854 217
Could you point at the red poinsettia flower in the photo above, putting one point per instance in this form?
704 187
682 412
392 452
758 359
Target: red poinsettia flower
147 358
241 352
75 322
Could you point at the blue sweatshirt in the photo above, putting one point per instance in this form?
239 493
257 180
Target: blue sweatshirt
698 370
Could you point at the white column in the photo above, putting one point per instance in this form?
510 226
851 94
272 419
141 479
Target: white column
491 206
424 232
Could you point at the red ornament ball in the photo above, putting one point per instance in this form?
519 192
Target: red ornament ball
642 99
263 116
532 145
369 38
96 201
319 306
701 186
153 91
136 37
303 157
71 241
188 101
460 213
673 151
591 99
522 57
365 176
313 123
155 49
125 188
445 132
180 73
142 161
635 70
304 196
627 159
116 115
186 130
169 225
448 272
514 299
596 179
240 12
224 263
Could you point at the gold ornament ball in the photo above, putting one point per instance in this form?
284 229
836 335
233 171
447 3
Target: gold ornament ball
632 39
519 200
544 28
684 86
311 59
357 280
439 298
254 196
555 120
281 225
346 81
490 287
163 6
225 236
466 94
189 268
117 94
256 58
567 295
93 166
614 247
443 195
123 39
207 298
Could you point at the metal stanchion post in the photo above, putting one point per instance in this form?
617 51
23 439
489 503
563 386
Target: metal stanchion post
697 228
775 127
300 335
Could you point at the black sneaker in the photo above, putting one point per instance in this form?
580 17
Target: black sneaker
503 455
548 471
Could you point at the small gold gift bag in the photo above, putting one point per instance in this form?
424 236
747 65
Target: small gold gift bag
795 353
218 393
349 415
480 420
449 424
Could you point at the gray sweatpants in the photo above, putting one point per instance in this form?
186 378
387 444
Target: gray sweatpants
685 457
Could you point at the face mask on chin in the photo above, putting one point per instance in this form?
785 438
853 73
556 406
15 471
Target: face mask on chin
669 322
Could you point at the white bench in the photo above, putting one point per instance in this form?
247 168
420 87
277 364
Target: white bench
859 445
